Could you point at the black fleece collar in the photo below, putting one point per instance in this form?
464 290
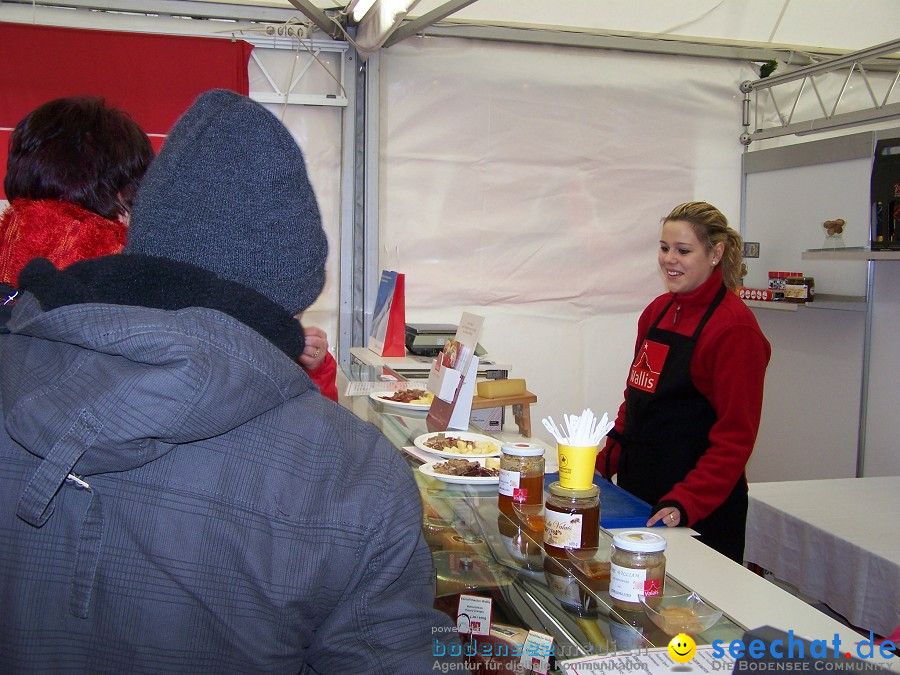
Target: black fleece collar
160 283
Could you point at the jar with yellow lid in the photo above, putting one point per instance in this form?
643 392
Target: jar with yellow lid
637 567
571 520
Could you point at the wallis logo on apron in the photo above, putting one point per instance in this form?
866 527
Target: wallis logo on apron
647 366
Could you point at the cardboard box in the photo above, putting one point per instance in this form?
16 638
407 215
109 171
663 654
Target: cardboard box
488 419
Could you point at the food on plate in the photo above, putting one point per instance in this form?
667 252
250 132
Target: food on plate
464 467
445 443
422 396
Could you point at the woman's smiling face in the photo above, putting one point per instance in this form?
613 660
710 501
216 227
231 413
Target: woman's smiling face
684 260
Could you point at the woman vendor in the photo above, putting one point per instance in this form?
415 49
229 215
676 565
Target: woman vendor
693 399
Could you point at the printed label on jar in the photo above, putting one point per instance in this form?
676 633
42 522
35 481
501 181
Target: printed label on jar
627 584
562 530
567 589
626 637
509 481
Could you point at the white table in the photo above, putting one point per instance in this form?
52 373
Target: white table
413 366
835 540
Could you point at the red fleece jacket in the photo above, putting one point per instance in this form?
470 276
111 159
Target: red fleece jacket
62 232
325 376
728 367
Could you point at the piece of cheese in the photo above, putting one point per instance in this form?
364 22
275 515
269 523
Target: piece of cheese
501 388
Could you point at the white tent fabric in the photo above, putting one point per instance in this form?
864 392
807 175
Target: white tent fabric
527 184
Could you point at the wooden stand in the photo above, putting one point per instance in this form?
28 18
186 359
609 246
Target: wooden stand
521 404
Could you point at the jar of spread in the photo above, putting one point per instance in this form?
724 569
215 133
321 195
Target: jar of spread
799 289
637 567
571 520
521 476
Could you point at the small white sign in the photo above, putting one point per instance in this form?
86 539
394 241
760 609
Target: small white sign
536 652
474 615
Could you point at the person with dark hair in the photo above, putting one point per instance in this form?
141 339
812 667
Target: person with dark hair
73 169
176 495
693 401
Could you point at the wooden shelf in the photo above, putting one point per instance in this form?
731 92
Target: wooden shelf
846 303
853 253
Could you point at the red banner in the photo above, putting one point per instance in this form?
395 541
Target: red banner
154 78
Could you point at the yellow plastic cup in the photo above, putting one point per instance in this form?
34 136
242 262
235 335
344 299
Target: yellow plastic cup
576 465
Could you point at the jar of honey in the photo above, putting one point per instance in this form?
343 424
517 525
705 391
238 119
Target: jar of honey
637 567
522 545
571 520
521 476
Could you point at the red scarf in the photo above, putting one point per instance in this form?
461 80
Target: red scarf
62 232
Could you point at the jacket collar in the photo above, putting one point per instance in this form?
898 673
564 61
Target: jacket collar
703 294
160 283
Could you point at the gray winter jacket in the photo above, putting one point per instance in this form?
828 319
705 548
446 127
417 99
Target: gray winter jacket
176 496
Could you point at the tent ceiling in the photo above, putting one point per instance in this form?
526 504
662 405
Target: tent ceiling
800 31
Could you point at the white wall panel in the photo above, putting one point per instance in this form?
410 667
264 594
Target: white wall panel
318 132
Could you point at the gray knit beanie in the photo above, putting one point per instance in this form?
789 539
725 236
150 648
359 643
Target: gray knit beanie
229 192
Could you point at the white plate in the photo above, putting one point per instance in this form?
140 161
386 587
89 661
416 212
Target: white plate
379 396
464 435
428 470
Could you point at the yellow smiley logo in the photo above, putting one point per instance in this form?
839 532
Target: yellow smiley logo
682 648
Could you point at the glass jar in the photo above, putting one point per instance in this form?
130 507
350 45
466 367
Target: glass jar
799 289
571 520
521 544
568 589
637 567
521 476
626 630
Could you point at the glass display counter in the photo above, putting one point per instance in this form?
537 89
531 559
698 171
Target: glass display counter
477 550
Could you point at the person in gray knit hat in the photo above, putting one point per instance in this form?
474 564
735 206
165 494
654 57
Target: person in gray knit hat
250 217
176 496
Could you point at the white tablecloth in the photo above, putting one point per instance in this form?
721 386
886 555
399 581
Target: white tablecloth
835 540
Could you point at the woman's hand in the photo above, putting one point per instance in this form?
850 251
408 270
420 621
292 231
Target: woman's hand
669 516
315 349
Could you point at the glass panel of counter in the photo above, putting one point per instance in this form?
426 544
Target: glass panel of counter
477 550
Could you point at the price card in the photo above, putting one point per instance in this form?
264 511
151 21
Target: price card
474 615
536 652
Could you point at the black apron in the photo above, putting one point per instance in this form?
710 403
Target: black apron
667 425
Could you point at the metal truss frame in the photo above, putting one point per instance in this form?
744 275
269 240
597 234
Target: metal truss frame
833 116
313 49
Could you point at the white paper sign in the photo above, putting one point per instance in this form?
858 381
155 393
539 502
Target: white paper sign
474 615
536 652
463 408
652 661
443 381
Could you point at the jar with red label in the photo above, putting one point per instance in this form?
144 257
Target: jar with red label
521 476
637 567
